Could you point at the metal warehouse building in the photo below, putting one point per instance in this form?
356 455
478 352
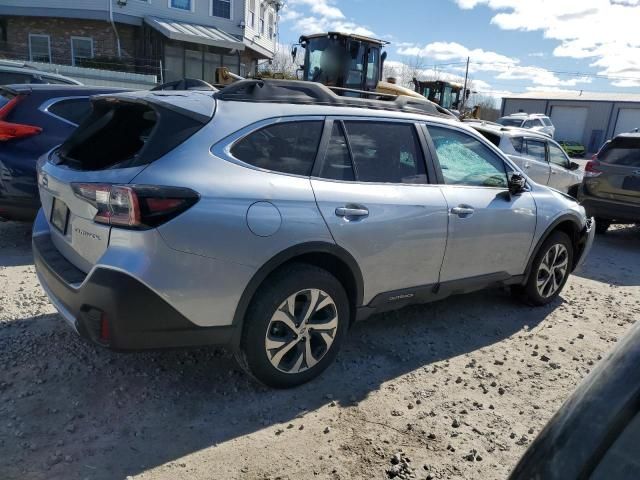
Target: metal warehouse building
586 117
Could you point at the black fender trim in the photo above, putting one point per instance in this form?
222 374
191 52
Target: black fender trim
563 218
280 259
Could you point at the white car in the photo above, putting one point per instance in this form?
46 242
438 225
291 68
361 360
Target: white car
537 155
536 121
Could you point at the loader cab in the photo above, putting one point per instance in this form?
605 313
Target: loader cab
445 94
342 60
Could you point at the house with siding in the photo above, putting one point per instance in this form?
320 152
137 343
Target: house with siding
169 38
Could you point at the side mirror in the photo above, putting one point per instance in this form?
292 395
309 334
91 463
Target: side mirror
517 183
294 53
574 166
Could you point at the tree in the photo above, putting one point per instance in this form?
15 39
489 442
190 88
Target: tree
281 66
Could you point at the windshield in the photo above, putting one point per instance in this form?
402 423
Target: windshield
324 61
510 122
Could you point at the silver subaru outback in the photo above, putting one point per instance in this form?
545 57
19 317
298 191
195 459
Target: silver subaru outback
270 216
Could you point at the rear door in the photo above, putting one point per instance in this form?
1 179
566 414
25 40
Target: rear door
490 231
371 185
620 167
534 162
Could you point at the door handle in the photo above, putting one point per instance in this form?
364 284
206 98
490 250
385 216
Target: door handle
462 211
352 212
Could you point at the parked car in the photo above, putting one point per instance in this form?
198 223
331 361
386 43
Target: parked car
271 215
539 157
610 190
17 72
34 119
535 121
595 433
573 149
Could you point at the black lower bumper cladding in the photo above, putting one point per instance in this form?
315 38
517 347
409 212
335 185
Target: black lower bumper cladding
137 317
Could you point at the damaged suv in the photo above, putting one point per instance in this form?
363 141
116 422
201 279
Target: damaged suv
270 216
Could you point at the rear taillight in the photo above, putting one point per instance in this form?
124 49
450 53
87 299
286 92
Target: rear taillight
11 131
135 206
591 168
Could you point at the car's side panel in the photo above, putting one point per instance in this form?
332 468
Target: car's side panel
494 238
534 169
400 243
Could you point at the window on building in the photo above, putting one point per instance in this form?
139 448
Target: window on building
464 160
283 147
252 13
81 48
271 26
181 4
386 152
39 48
262 12
221 8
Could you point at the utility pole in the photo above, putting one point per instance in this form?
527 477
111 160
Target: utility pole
464 90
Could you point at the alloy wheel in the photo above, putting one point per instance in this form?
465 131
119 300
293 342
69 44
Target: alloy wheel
552 270
301 331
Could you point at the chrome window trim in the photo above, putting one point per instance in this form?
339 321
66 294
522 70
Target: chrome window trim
44 108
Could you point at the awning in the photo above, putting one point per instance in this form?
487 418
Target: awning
191 32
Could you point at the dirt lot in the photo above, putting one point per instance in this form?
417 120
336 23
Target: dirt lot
457 389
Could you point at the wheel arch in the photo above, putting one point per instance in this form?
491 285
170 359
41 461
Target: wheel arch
566 223
328 256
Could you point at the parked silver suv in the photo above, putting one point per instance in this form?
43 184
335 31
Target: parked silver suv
537 122
272 215
538 156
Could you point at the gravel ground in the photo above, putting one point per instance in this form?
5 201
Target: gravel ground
454 389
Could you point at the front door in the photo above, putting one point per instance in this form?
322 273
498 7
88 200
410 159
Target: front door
371 187
490 231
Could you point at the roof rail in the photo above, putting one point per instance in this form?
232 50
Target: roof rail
311 93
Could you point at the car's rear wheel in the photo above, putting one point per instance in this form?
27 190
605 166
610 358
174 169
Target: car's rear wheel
602 225
294 326
550 270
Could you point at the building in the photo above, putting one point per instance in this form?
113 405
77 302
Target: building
586 117
170 38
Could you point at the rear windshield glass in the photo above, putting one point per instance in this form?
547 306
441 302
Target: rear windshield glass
622 151
546 121
510 122
126 134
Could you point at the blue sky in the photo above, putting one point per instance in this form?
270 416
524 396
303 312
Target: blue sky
515 45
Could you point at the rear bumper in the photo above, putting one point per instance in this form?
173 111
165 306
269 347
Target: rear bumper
608 209
136 318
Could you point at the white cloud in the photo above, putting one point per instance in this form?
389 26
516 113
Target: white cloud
317 16
605 31
502 66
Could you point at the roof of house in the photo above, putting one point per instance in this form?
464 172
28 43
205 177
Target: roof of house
578 96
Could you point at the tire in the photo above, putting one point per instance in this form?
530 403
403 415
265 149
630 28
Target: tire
602 225
547 265
282 353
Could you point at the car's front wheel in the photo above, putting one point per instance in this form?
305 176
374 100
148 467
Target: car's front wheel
294 326
549 271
